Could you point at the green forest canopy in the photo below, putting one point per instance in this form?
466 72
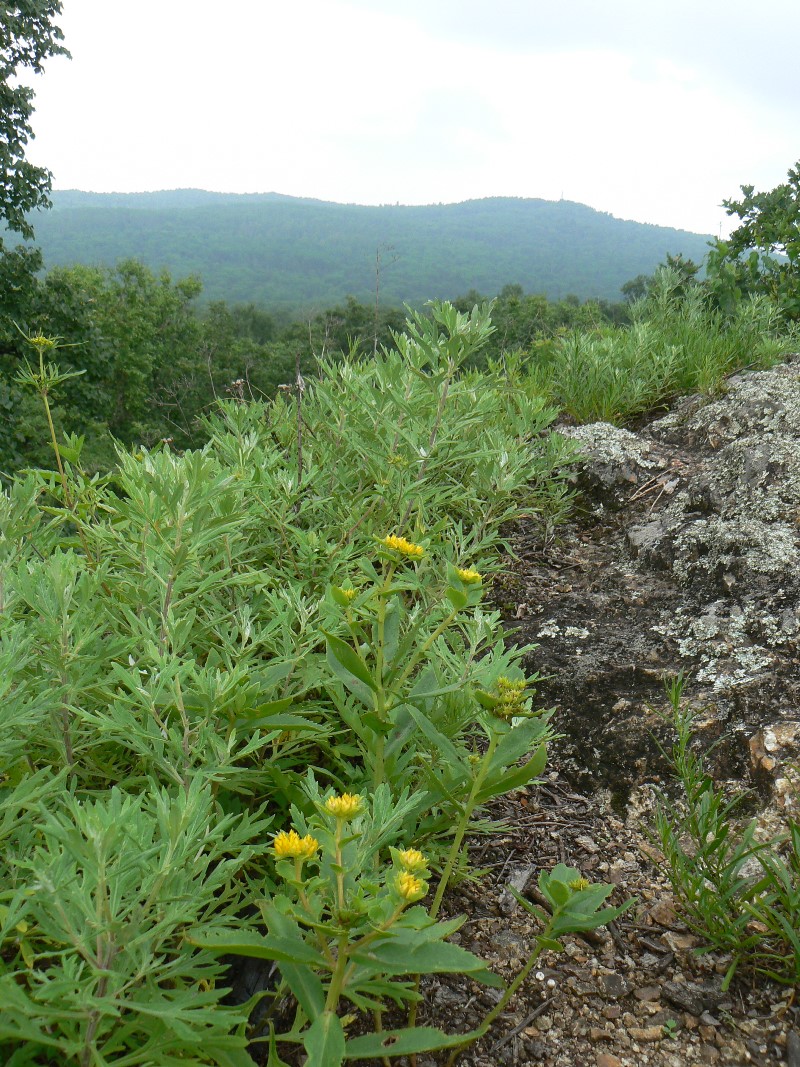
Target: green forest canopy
283 252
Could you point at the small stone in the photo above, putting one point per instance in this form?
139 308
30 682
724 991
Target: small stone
646 1033
614 985
596 1034
587 843
708 1033
680 942
605 1059
709 1054
648 992
612 1011
685 995
663 912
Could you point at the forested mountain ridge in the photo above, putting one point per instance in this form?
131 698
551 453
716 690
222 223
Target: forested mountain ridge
283 251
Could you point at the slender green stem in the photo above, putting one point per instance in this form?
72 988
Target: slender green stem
502 1004
57 450
455 848
380 663
423 649
336 988
463 823
378 1017
339 867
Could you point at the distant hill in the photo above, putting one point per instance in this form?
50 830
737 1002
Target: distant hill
283 251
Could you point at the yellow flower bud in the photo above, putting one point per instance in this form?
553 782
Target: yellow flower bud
469 576
579 883
410 887
412 860
347 806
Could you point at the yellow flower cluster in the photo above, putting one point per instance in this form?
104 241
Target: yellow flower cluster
411 859
469 576
347 806
404 547
40 341
290 845
349 594
410 887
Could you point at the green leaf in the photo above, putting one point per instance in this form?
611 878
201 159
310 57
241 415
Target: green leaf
301 979
549 944
404 1042
72 455
457 597
274 1059
324 1041
391 629
271 707
507 780
375 723
519 740
428 958
278 723
443 744
349 667
307 988
283 949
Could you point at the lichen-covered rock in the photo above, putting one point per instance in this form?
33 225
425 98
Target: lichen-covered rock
688 560
616 460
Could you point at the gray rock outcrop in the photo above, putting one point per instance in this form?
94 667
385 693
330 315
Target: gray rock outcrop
687 558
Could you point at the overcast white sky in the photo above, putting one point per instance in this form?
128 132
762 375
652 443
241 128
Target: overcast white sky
653 110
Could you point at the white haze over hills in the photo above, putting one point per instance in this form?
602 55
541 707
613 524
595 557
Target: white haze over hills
653 112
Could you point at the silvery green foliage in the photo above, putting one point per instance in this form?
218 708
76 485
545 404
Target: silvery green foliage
102 897
166 684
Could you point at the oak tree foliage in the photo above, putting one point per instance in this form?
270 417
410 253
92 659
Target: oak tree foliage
762 255
28 36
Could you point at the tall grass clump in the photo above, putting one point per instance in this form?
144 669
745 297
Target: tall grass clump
676 343
243 688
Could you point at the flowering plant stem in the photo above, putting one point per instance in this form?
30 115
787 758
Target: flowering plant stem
455 848
463 823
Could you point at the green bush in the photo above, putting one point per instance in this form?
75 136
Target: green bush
198 647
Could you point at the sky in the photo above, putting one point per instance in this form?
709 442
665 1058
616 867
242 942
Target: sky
653 110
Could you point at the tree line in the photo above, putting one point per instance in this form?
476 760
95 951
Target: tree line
148 360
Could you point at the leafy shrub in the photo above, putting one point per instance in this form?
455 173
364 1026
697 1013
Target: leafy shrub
194 644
